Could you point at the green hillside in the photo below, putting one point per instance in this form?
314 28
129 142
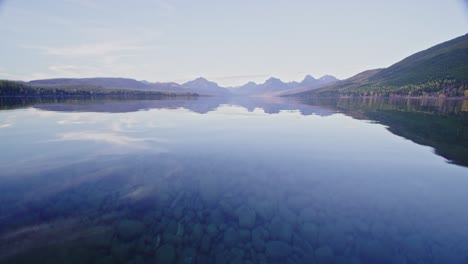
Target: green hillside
446 61
438 71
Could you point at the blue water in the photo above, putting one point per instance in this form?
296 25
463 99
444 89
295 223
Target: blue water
233 181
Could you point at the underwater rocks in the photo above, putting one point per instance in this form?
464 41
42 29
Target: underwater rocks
246 217
165 254
129 229
281 230
178 212
237 227
277 249
212 230
101 237
264 209
197 232
205 243
244 235
259 236
324 255
308 214
209 190
231 237
309 231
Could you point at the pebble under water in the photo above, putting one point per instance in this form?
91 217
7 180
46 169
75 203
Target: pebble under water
229 185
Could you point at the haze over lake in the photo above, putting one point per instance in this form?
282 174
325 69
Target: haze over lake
233 180
233 132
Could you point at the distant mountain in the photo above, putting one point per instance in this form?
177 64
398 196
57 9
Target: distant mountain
199 86
331 89
205 87
327 79
109 83
438 71
308 81
275 86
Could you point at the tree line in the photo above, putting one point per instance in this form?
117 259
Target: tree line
17 89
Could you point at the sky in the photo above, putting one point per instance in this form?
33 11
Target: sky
229 42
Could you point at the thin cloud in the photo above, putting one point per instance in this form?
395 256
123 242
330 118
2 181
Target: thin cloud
103 58
67 71
82 71
4 74
84 3
92 50
72 69
166 8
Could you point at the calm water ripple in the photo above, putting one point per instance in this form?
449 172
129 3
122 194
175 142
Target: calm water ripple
233 180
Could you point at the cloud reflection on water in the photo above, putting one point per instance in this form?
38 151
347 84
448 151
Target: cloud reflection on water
110 138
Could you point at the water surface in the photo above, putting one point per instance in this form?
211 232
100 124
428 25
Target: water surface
233 180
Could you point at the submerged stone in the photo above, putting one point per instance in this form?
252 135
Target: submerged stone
244 235
205 243
231 237
258 239
178 212
309 232
137 260
130 229
121 251
180 230
165 254
265 210
189 216
375 252
105 260
220 258
280 229
288 215
308 214
246 217
146 244
189 256
197 232
209 190
168 237
99 240
296 202
414 248
212 230
172 227
236 256
227 208
216 217
324 255
277 249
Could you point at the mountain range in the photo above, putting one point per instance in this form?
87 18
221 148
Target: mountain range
275 87
201 86
441 70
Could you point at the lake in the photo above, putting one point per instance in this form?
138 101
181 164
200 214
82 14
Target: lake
233 180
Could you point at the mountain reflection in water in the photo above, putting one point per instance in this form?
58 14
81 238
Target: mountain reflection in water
439 123
233 180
